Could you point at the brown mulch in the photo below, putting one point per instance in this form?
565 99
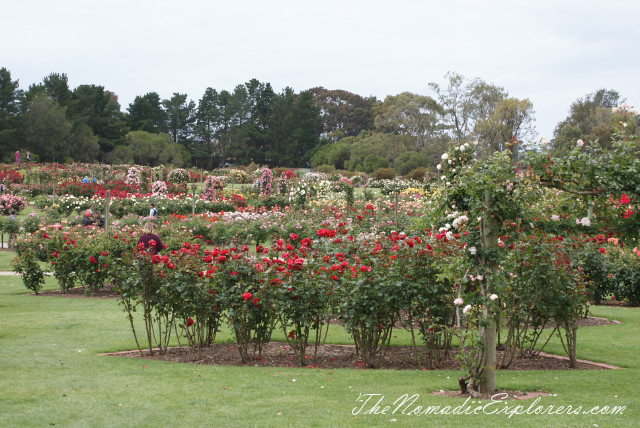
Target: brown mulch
276 354
616 303
496 395
102 293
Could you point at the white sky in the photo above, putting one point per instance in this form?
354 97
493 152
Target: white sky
550 51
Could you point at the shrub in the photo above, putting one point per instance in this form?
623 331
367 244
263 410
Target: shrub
327 169
179 177
417 174
384 174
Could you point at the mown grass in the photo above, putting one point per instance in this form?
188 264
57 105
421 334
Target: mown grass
50 373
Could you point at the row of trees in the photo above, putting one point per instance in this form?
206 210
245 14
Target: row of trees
253 123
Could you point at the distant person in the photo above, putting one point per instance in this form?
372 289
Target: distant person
153 212
28 156
148 236
98 220
1 187
95 181
18 157
86 220
12 216
85 180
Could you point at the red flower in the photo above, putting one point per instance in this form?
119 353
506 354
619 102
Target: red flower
256 301
152 243
189 322
292 334
104 253
246 296
93 260
334 277
602 250
293 237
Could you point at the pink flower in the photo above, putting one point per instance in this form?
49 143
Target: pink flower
458 301
580 143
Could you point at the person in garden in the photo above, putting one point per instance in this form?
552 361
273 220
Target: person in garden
28 156
98 220
18 156
85 180
153 212
150 239
86 220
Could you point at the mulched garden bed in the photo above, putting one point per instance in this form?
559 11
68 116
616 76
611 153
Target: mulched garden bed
277 354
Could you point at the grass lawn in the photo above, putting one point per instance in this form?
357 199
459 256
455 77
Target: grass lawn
50 373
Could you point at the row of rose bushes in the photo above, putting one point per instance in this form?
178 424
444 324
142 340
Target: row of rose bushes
368 281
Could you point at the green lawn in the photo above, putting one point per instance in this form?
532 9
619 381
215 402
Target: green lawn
50 373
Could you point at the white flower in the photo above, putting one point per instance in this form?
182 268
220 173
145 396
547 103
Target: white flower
466 309
458 301
479 277
438 167
449 236
555 217
585 221
580 143
473 250
493 297
450 162
444 156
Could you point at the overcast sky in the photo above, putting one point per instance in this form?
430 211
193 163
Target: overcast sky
550 51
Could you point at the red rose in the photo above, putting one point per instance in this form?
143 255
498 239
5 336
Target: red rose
104 253
246 296
292 334
189 322
293 237
602 250
152 243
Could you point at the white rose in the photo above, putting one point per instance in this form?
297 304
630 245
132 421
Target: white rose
445 156
493 297
466 309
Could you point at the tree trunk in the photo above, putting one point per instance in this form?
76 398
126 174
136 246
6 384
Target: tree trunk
490 228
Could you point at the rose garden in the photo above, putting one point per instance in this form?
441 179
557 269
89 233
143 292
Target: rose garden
490 264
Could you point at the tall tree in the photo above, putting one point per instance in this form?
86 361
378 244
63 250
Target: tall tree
465 103
9 111
409 114
46 129
208 122
99 109
180 114
510 121
146 114
590 118
342 113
